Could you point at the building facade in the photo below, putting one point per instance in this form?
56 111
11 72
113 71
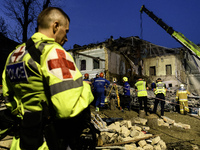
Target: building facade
133 57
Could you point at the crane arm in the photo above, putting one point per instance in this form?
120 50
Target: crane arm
193 48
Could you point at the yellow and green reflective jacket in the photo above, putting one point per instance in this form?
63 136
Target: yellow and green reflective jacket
160 88
24 80
141 88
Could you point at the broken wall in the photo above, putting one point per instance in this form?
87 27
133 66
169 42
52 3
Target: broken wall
117 65
94 52
166 67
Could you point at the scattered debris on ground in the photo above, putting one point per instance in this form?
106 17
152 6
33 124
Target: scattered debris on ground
175 131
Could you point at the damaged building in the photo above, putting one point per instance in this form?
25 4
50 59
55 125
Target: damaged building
132 57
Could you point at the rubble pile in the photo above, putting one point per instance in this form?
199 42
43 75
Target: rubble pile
127 135
165 121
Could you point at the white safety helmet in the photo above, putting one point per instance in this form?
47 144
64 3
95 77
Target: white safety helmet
182 85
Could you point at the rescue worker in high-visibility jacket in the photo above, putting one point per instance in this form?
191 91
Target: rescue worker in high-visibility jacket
141 89
160 92
99 85
41 73
182 97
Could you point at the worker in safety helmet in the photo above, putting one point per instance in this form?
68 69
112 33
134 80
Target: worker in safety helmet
44 89
86 78
125 98
181 96
126 87
141 89
99 85
160 92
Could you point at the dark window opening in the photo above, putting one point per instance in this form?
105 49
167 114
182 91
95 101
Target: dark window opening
95 64
152 71
83 64
168 70
170 84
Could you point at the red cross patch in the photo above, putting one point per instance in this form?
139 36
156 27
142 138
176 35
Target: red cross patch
18 53
61 64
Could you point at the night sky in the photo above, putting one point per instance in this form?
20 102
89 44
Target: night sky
94 21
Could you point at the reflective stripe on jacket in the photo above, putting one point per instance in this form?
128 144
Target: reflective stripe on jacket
24 80
160 88
141 88
181 95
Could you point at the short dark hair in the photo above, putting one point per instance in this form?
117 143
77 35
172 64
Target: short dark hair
45 16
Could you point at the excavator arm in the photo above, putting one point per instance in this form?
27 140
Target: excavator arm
193 48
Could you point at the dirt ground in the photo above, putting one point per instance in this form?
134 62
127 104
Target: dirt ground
175 138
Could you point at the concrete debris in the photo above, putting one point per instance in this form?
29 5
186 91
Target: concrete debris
155 140
130 147
160 122
162 144
148 147
139 120
165 121
130 136
124 131
181 125
142 143
168 120
133 134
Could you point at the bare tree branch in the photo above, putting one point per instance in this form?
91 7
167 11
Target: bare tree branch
24 15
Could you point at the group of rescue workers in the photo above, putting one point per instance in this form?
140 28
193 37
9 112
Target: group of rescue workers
46 95
159 88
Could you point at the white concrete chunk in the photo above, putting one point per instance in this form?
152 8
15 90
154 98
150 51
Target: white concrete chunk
124 131
162 145
129 124
155 140
157 147
136 128
168 120
148 147
127 139
115 127
160 122
181 125
139 148
142 143
129 147
113 139
134 133
139 120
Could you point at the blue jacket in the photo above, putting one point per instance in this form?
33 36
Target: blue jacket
86 80
100 83
126 89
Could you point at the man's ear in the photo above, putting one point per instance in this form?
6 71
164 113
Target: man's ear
55 26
